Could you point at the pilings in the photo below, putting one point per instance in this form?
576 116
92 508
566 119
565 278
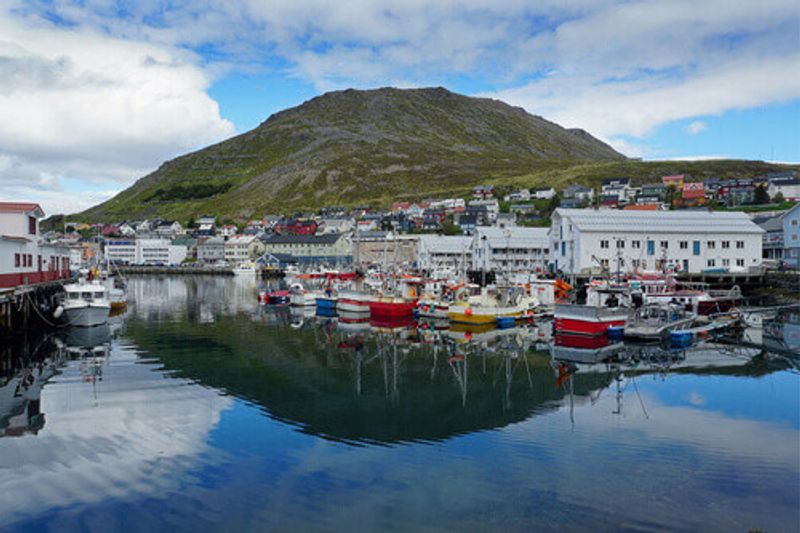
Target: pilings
28 307
175 270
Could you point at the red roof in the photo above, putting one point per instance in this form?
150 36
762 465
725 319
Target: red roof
641 207
692 191
19 207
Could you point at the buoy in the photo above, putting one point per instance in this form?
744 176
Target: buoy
468 312
425 308
58 312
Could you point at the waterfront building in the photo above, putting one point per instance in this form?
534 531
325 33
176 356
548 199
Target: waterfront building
510 249
326 248
241 248
791 236
24 257
441 252
211 250
588 241
121 251
159 252
384 249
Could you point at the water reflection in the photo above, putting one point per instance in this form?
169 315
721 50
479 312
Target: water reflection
200 409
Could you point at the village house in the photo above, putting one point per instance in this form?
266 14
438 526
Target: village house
331 248
736 192
211 250
442 252
341 224
522 195
579 193
206 225
296 226
619 187
239 248
585 241
789 188
693 194
492 208
483 191
543 193
228 230
676 181
467 223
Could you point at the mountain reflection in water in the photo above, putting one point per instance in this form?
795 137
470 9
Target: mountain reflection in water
162 413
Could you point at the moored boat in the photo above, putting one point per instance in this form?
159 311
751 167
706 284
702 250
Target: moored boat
85 304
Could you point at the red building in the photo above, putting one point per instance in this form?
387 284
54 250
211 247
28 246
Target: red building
693 194
296 227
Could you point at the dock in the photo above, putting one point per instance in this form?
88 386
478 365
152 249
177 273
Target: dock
176 270
27 307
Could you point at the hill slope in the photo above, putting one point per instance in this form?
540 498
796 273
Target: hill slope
354 146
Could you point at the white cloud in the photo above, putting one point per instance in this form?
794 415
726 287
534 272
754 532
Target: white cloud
86 106
697 126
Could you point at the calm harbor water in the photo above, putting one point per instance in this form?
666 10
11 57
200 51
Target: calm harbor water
200 410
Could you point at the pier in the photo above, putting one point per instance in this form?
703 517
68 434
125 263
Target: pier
175 270
28 306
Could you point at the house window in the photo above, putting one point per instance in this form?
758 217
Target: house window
651 247
603 244
739 244
664 244
604 262
726 244
32 225
684 245
696 247
16 260
711 245
620 244
711 263
726 262
740 262
636 244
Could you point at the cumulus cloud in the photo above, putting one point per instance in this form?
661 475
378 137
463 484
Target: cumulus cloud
137 77
85 105
697 126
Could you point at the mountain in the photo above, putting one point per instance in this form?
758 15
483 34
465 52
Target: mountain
350 147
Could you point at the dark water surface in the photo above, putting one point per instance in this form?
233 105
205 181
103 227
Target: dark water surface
199 410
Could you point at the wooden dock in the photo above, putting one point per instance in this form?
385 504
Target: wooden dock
28 307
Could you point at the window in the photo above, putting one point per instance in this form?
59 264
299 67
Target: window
604 262
603 244
711 245
651 247
620 244
696 247
563 248
726 262
635 263
740 262
16 260
664 244
739 244
711 263
32 225
684 245
636 244
726 244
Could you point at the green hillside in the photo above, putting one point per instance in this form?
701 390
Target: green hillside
353 147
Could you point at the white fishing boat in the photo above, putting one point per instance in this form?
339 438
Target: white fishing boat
300 297
247 268
85 304
352 301
656 321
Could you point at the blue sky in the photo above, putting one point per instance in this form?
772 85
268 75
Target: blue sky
96 94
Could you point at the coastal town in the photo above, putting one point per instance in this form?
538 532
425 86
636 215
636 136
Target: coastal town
617 227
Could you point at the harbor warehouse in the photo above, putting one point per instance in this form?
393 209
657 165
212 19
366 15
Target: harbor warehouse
587 241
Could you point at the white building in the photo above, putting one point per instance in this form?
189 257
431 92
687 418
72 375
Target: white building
145 252
24 257
211 250
522 195
159 252
442 252
544 193
512 250
121 251
242 248
586 241
789 189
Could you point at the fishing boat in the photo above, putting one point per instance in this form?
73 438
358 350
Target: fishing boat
300 297
653 322
273 297
247 268
392 306
85 304
352 301
489 305
607 305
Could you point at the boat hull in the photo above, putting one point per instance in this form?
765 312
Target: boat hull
392 309
87 316
587 320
